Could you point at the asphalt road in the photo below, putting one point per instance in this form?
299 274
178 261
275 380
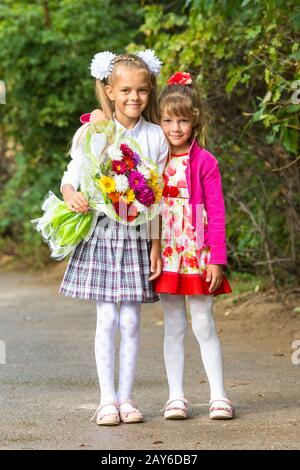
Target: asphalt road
49 387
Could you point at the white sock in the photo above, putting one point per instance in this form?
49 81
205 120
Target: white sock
175 324
107 324
129 322
203 325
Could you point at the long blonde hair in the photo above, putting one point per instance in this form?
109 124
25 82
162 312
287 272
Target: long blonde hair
185 100
131 61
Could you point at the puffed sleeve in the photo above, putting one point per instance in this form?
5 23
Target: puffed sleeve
163 152
72 174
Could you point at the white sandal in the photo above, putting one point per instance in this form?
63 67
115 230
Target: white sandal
221 408
175 412
106 419
133 416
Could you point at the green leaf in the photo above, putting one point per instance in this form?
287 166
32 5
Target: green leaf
290 140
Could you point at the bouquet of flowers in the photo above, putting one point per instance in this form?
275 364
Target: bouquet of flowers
129 184
117 181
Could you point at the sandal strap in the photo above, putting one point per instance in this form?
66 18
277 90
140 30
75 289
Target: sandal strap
183 400
225 400
227 407
113 403
130 402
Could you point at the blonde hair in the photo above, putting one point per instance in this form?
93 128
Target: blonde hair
131 61
185 100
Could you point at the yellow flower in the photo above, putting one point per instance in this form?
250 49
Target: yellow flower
154 177
130 196
107 184
158 192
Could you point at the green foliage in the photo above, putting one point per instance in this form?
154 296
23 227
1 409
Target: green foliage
244 56
249 49
46 49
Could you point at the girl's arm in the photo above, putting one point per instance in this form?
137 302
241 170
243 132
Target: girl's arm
70 182
155 253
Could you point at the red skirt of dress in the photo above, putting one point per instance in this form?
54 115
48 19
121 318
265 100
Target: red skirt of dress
188 284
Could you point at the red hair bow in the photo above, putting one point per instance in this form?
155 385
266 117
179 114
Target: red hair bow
180 78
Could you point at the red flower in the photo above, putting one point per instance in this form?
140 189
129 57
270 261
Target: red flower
193 262
170 191
168 251
179 248
180 78
129 162
119 167
114 196
127 152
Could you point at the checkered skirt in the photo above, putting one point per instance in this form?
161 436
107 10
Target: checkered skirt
112 266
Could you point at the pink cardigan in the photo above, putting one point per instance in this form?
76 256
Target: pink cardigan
205 187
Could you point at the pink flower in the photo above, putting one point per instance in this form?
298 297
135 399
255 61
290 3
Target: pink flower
177 231
165 212
182 184
170 171
136 180
190 233
170 221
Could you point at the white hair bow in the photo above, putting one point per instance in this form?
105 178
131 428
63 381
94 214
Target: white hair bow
103 62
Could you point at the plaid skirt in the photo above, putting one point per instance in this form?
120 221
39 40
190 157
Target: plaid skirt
112 266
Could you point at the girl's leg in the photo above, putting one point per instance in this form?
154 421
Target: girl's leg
175 328
130 313
107 324
203 326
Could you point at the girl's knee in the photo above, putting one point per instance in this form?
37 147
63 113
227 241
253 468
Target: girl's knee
175 326
107 317
130 319
203 327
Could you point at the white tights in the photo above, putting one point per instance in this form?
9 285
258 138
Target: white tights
108 321
203 325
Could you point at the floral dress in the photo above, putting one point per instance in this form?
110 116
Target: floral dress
184 263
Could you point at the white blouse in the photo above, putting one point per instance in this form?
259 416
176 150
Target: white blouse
149 136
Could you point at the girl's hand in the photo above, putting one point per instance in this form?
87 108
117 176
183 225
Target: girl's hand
215 275
156 261
77 202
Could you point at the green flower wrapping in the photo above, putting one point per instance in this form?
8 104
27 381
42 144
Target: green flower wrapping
63 229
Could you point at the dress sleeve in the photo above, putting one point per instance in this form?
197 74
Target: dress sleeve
72 174
215 208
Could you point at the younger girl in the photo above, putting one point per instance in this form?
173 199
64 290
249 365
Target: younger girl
193 256
113 265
